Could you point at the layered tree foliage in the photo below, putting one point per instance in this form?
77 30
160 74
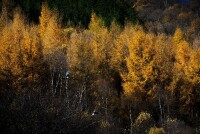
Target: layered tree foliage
187 72
57 78
21 53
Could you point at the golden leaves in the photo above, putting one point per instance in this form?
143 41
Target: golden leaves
178 36
139 61
44 19
20 51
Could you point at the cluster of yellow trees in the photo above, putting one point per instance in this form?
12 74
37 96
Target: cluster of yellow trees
21 52
153 68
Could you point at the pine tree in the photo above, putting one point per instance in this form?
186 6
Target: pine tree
178 36
32 55
188 67
139 64
96 23
21 53
53 36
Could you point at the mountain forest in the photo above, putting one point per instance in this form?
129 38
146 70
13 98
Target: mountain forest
100 66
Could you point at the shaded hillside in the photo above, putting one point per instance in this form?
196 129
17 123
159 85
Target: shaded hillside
165 19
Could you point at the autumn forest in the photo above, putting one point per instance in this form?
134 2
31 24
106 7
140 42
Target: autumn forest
100 67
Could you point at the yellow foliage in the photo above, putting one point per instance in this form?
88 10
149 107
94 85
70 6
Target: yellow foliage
82 54
96 23
186 71
44 19
20 51
15 43
3 18
178 36
32 48
120 49
53 36
139 62
163 65
193 71
182 56
88 52
5 49
155 130
188 63
100 34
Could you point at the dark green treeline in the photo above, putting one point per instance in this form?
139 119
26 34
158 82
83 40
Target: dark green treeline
79 11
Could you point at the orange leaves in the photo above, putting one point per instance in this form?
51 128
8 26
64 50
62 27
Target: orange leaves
183 54
20 51
187 60
186 71
51 33
10 45
178 36
53 36
189 64
96 24
3 18
193 71
5 49
89 52
44 19
82 54
139 61
32 48
149 64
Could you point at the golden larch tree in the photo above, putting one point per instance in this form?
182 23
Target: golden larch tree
44 19
178 36
139 63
